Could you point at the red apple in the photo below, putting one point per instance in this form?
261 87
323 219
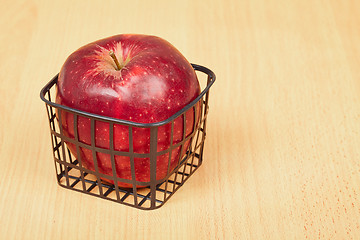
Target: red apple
138 78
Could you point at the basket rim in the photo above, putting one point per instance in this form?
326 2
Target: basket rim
51 83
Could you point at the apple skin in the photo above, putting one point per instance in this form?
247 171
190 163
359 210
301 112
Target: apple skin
155 82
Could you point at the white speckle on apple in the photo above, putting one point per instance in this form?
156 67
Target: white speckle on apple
168 107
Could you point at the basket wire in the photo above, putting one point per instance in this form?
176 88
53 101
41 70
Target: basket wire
71 173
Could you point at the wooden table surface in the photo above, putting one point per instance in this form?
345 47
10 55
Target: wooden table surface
282 156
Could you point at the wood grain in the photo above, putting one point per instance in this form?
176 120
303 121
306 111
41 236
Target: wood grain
282 157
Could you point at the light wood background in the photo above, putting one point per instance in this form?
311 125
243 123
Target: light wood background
282 158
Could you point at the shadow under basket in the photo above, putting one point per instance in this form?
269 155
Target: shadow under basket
69 149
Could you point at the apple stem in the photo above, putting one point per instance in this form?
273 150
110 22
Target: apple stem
118 66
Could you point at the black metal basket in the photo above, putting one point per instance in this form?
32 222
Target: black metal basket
154 193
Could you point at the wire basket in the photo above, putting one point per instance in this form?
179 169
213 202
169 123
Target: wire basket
178 161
